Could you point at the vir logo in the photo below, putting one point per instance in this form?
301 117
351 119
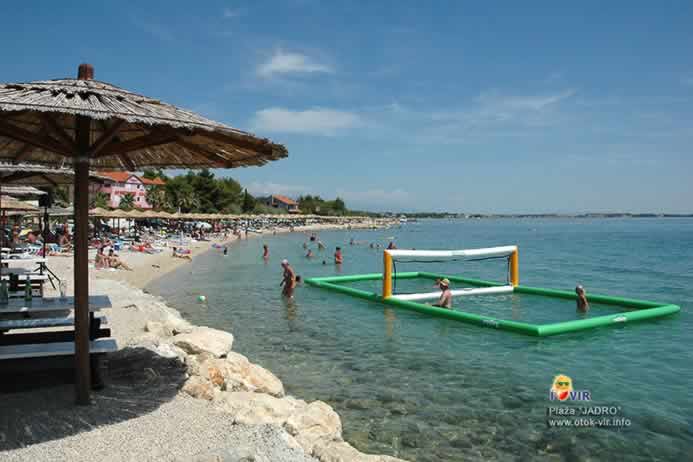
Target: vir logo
562 390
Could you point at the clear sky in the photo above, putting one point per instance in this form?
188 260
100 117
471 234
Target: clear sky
408 105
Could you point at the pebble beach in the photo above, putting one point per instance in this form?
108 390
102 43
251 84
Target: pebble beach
176 391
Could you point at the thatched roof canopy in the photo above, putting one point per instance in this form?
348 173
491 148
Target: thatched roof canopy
130 131
19 191
39 175
10 203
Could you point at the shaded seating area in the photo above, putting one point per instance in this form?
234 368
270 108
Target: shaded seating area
43 330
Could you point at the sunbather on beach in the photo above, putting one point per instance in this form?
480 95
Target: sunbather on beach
445 300
288 280
115 262
582 305
179 254
101 260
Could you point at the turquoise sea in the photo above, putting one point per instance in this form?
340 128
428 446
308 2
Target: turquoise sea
428 389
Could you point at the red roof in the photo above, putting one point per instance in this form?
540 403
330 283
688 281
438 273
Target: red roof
284 199
122 177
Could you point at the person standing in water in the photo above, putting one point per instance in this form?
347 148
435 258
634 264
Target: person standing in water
265 251
338 258
445 300
391 245
226 251
582 305
288 280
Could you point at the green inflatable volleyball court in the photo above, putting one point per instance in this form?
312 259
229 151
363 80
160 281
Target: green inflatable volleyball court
629 310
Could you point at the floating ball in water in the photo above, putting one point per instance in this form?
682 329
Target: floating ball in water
201 298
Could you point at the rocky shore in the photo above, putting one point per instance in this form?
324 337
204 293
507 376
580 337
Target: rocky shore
178 392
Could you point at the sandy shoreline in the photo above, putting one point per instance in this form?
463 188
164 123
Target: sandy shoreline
170 379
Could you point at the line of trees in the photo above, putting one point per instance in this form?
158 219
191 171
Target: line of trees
201 192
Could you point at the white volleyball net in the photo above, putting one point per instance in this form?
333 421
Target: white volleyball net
496 264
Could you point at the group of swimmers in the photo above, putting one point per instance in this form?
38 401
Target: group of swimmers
445 300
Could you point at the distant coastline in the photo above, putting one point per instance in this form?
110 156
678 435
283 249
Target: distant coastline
411 216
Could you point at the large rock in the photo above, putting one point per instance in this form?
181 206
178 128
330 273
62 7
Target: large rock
176 324
257 408
341 451
239 374
314 424
198 387
205 340
158 329
264 381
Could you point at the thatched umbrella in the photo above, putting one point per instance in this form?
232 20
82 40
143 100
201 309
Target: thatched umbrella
38 175
8 203
99 212
86 123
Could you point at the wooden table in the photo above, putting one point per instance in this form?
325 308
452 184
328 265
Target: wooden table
38 305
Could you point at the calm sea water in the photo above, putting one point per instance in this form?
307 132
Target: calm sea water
430 389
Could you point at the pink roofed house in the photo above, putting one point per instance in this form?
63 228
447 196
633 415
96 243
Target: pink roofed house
122 183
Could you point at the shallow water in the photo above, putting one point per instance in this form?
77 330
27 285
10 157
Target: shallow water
430 389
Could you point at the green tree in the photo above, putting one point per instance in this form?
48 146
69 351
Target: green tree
61 196
157 198
248 203
100 200
127 202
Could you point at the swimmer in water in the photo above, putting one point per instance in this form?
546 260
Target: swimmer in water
582 305
288 280
338 258
226 251
445 300
265 251
309 254
391 245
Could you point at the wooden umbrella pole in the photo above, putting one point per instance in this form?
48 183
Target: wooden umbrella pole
81 274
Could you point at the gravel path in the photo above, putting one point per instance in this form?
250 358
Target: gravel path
182 429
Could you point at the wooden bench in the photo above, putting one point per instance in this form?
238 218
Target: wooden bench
33 338
43 322
44 355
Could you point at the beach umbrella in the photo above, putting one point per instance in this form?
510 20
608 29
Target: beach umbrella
8 203
83 123
41 176
99 212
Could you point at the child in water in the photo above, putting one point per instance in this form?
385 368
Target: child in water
582 305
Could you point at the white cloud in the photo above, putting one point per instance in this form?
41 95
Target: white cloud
317 121
494 101
282 63
260 188
230 13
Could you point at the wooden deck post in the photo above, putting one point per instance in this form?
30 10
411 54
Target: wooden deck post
81 238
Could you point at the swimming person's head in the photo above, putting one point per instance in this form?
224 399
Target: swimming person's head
298 278
285 263
444 284
579 289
